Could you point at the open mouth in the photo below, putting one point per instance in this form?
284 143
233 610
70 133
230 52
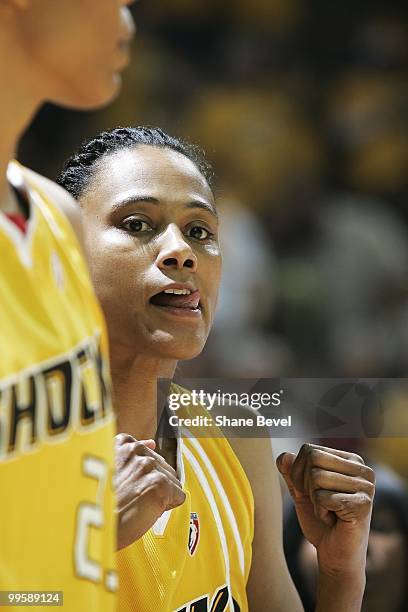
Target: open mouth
182 299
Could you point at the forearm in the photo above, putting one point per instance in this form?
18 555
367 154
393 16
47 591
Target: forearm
340 594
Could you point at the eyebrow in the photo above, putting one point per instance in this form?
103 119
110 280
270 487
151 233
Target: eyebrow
134 199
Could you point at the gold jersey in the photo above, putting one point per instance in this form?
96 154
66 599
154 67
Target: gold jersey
57 530
197 557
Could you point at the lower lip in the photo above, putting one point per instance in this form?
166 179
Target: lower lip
184 313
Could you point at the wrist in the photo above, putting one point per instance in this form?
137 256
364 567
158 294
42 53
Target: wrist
340 591
355 578
348 568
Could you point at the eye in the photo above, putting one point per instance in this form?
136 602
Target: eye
135 226
199 233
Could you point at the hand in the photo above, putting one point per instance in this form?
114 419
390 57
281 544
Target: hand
333 494
146 486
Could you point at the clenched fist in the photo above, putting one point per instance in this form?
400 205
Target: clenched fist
333 493
146 486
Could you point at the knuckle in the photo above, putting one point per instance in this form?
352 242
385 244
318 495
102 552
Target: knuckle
316 475
123 438
159 498
370 474
146 463
356 458
138 448
306 448
160 481
370 488
360 502
314 455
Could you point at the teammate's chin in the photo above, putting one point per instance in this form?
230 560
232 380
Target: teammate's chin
93 94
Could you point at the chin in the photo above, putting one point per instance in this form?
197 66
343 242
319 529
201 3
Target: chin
96 95
170 348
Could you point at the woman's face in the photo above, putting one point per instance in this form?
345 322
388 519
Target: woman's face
151 233
77 48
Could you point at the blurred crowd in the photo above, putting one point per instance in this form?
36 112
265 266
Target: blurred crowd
302 107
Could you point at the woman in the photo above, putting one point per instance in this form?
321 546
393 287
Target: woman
55 440
199 524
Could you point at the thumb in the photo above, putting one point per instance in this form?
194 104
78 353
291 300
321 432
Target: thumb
284 464
149 443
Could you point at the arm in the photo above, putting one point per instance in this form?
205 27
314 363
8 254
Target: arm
333 494
270 587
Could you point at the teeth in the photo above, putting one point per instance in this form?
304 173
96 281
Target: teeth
178 291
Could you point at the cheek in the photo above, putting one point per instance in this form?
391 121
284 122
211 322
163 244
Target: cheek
114 267
212 275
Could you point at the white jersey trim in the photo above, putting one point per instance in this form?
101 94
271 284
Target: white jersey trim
211 500
224 498
23 241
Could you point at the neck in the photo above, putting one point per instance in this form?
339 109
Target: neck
135 392
18 101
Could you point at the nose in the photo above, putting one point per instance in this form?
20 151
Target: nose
175 252
127 23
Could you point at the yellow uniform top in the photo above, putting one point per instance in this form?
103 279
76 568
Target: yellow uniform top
56 420
197 557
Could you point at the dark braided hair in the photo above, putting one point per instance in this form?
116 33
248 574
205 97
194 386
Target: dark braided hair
78 169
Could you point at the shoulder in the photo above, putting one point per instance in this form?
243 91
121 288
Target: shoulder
254 453
59 198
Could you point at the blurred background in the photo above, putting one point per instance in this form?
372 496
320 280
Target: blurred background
302 106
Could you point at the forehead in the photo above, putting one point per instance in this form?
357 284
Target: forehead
148 170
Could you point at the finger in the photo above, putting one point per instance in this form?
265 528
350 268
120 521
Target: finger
334 451
128 447
300 473
177 498
136 456
144 477
169 493
124 438
284 463
171 476
149 463
328 460
348 507
298 468
333 481
139 448
149 443
161 461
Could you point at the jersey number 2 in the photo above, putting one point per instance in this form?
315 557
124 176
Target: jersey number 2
91 516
